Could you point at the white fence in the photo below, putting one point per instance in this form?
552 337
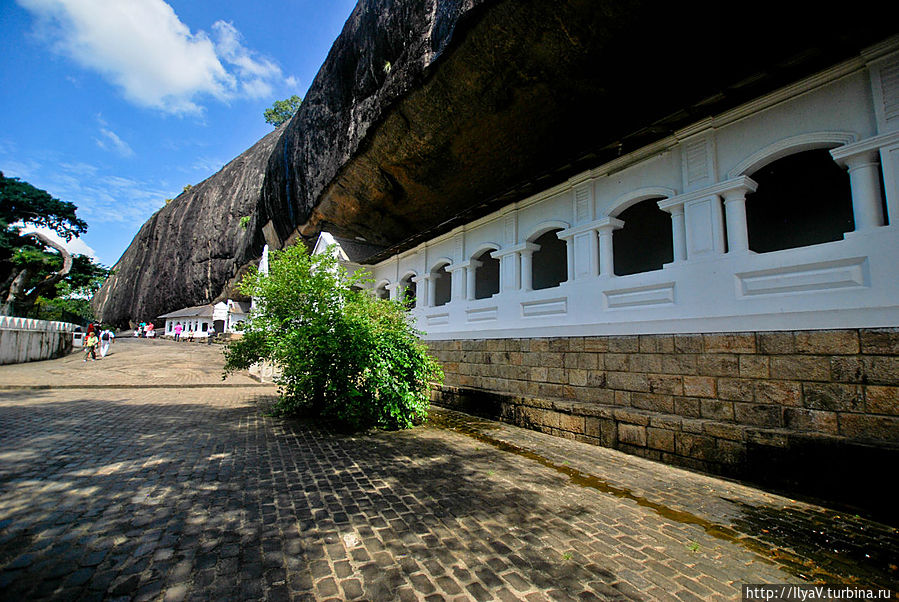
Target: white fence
27 340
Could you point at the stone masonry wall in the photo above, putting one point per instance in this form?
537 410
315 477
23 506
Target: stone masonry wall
804 410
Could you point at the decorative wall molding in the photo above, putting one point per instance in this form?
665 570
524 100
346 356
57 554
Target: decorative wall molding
807 278
545 307
437 319
481 314
640 296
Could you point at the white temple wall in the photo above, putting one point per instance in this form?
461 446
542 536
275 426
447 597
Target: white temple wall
701 177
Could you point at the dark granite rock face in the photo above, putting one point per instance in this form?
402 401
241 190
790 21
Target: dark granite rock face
384 52
485 103
430 113
190 251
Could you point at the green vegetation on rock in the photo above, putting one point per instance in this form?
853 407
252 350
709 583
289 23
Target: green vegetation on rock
282 110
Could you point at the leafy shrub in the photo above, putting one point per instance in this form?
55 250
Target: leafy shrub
343 353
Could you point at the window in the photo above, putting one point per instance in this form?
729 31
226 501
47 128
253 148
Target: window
802 199
550 263
443 285
645 242
381 291
486 276
408 291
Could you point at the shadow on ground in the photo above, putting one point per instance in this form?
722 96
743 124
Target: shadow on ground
117 498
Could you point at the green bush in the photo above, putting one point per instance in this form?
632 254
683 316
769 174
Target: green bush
344 354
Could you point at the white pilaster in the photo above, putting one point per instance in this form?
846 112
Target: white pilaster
432 288
471 267
422 284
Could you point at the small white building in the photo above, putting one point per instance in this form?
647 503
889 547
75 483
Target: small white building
200 320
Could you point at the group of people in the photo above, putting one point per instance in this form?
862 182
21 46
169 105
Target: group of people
178 329
145 330
96 337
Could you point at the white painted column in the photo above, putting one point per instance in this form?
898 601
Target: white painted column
509 271
432 288
391 290
527 268
679 233
421 290
593 250
675 208
458 282
864 179
569 257
471 277
735 218
606 254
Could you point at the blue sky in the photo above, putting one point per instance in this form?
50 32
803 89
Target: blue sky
116 105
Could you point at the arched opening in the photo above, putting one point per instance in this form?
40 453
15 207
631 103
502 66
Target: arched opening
381 291
802 199
443 285
408 291
549 264
486 276
645 242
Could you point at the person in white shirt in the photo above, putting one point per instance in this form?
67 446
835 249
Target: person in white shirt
107 337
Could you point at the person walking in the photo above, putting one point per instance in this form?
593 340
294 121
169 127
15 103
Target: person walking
107 337
90 345
178 329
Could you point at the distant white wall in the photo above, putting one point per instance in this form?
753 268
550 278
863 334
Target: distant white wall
27 340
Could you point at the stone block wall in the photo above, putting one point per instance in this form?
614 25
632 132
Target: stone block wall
789 409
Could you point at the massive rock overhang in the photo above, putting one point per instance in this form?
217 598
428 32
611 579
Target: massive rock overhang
530 93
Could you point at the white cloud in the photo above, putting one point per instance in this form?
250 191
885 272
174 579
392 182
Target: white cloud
142 47
78 168
76 246
25 169
207 165
111 141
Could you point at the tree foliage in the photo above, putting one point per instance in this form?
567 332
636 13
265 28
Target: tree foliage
29 267
282 110
343 353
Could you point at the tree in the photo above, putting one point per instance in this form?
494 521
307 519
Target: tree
343 353
282 110
71 297
28 267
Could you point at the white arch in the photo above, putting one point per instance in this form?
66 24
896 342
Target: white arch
382 283
484 246
544 227
440 262
408 275
628 200
790 146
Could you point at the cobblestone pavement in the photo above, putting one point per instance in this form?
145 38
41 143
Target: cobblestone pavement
109 490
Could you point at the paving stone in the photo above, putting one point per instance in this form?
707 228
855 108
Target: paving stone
199 493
